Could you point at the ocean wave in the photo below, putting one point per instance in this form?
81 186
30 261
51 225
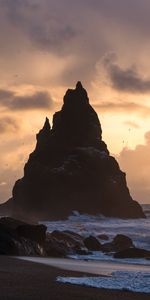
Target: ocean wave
119 280
137 229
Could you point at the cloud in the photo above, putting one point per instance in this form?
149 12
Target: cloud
8 176
5 94
15 150
123 107
35 28
3 183
40 24
50 44
136 164
8 124
125 79
38 100
132 124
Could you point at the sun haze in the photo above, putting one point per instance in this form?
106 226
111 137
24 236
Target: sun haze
46 47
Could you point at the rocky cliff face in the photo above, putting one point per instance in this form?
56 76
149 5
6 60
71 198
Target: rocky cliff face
71 169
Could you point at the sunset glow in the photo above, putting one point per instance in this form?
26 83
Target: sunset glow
46 47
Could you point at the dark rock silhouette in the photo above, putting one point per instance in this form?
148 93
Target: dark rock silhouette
19 238
35 233
92 243
62 243
71 169
11 223
133 253
70 238
55 248
119 243
11 243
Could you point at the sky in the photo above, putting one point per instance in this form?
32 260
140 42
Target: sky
46 46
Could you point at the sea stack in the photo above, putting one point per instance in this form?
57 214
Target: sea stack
71 169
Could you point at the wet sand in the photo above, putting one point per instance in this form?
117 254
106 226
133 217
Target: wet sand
86 266
27 280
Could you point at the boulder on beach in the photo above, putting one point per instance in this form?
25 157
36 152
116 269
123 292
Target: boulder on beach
133 253
35 233
11 223
119 243
71 242
69 237
13 244
92 243
55 248
71 169
19 238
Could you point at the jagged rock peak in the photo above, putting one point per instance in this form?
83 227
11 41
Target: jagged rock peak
77 122
47 125
46 128
77 96
71 169
43 134
79 85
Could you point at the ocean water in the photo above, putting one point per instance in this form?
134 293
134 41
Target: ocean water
103 274
120 280
138 230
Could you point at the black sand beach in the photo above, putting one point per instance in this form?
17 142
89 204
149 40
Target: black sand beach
26 280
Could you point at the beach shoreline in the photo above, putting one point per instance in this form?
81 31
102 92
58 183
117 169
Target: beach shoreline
30 280
97 267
